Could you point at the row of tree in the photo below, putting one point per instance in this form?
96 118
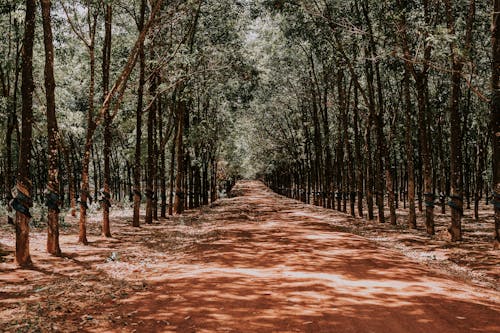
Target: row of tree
377 102
113 69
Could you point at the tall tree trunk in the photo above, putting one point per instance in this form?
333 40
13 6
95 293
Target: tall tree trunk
91 125
138 126
425 152
52 194
85 187
108 140
350 165
410 169
179 147
162 170
150 193
327 187
495 116
480 151
357 149
23 200
456 180
171 177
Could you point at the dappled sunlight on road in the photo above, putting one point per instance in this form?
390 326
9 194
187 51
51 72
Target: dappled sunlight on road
275 267
254 263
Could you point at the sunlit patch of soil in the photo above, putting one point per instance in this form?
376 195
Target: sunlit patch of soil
61 294
474 259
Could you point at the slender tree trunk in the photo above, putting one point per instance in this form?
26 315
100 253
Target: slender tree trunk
138 126
213 180
495 116
357 149
410 169
350 165
85 187
179 147
425 154
171 177
480 148
456 195
106 60
162 171
52 193
151 156
327 187
23 200
91 125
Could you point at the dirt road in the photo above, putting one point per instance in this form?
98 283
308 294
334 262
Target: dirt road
275 268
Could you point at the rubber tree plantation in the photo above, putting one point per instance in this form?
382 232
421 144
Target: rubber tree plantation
249 166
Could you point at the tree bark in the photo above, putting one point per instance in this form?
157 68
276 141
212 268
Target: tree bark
108 140
357 149
150 193
85 187
495 116
410 168
179 147
456 179
171 178
138 124
23 200
52 193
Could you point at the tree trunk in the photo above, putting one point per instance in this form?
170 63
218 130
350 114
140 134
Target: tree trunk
138 126
106 60
179 146
162 170
410 169
495 116
171 178
357 149
91 125
456 179
52 193
23 200
480 149
425 154
84 196
151 155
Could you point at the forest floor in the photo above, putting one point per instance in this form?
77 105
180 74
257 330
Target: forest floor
255 262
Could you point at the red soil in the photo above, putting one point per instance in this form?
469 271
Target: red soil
254 263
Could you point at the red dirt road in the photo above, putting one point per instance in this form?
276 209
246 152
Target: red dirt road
276 267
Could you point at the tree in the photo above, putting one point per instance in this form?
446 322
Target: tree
138 127
456 162
495 115
108 140
23 201
52 192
